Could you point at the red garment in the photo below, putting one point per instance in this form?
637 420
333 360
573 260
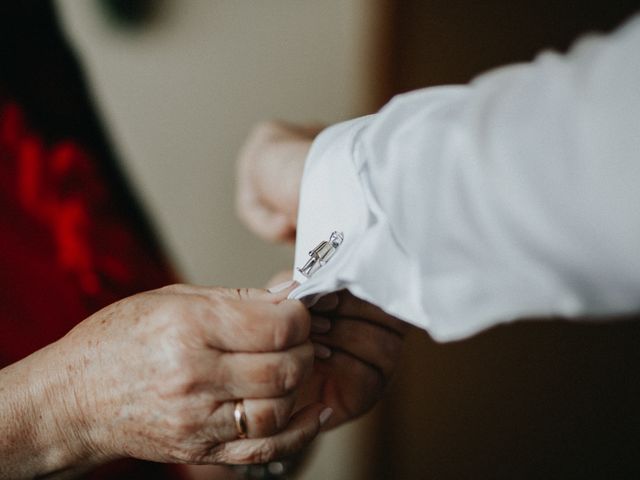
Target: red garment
66 249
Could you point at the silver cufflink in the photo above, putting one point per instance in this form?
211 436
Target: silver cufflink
321 254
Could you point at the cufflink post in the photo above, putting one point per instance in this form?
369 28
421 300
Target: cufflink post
321 254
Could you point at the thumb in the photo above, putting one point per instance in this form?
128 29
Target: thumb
282 290
275 294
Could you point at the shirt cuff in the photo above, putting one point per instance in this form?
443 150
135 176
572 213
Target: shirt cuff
335 196
331 199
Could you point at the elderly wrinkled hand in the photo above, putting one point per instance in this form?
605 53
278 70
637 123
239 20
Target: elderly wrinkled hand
156 376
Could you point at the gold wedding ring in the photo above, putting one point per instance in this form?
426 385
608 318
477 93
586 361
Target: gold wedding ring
240 417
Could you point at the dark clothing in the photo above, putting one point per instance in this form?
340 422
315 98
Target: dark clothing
72 237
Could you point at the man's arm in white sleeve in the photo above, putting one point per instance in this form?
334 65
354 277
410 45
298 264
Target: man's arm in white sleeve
516 195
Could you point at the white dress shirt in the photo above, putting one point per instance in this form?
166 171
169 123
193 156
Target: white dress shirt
466 206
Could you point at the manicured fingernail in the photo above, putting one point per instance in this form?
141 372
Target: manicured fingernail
320 324
326 303
321 351
325 415
281 287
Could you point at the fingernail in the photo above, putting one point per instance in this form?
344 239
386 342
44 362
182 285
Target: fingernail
325 415
321 351
326 303
320 324
281 286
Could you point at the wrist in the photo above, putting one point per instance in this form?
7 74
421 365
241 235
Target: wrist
73 420
43 432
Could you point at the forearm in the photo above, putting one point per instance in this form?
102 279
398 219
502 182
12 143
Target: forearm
42 432
514 196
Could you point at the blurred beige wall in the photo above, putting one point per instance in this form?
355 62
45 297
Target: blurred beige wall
180 95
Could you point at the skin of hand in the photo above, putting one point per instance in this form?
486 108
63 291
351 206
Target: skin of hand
270 166
155 376
357 346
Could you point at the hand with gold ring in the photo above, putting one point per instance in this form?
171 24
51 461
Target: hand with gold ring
182 374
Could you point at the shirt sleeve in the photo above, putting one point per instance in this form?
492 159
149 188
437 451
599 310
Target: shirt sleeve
466 206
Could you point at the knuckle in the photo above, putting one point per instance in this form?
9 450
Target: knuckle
183 426
284 333
184 378
181 387
187 383
292 373
270 419
290 328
